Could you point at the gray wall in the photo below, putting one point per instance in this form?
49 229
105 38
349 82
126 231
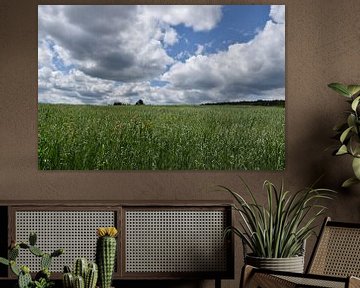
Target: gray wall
322 46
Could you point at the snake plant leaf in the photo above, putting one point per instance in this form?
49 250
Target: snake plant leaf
340 88
355 103
356 167
342 150
353 89
345 134
349 182
279 228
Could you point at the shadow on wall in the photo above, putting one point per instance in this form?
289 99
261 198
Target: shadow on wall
332 170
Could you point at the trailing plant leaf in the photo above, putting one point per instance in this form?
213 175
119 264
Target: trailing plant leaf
354 145
340 88
342 150
350 130
280 228
355 103
351 122
353 89
349 182
345 134
356 167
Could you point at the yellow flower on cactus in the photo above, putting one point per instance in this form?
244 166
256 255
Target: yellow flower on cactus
106 231
101 231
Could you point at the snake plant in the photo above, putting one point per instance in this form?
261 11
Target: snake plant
279 228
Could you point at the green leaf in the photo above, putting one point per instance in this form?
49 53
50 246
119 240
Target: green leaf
354 145
351 120
355 103
342 150
4 261
349 182
356 167
345 134
280 228
340 88
353 89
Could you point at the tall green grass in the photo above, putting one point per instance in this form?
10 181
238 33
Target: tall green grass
161 137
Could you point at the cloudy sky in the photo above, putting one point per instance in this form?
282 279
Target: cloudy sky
166 54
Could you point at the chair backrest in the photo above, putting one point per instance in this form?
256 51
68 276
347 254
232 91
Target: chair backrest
337 251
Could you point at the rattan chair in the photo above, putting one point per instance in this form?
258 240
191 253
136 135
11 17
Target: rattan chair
334 263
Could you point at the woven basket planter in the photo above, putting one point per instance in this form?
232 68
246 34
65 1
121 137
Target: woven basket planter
291 264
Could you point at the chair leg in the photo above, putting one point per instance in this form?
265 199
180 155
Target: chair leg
246 274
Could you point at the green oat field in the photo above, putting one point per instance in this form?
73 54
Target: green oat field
226 137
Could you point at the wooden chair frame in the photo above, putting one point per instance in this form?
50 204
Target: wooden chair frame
255 277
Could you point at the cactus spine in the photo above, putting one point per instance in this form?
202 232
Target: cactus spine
84 275
79 282
45 261
105 255
68 280
91 276
24 278
80 267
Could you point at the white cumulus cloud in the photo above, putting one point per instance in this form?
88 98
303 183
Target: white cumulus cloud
198 17
253 68
277 13
113 53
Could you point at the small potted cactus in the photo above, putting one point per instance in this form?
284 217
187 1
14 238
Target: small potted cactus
42 278
85 275
106 254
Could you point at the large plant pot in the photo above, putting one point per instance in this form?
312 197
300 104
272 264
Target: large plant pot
291 264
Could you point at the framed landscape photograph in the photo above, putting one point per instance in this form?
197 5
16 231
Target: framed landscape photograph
161 87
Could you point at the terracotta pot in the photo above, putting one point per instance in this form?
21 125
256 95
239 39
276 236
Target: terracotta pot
291 264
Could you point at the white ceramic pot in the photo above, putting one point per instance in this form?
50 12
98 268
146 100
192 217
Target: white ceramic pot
291 264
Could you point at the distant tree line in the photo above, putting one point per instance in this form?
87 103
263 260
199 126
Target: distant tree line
139 102
280 103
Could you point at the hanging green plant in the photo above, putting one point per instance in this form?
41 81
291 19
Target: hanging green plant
349 131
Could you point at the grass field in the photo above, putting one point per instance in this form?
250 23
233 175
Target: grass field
161 137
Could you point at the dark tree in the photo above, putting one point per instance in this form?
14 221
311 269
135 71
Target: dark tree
140 102
118 103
